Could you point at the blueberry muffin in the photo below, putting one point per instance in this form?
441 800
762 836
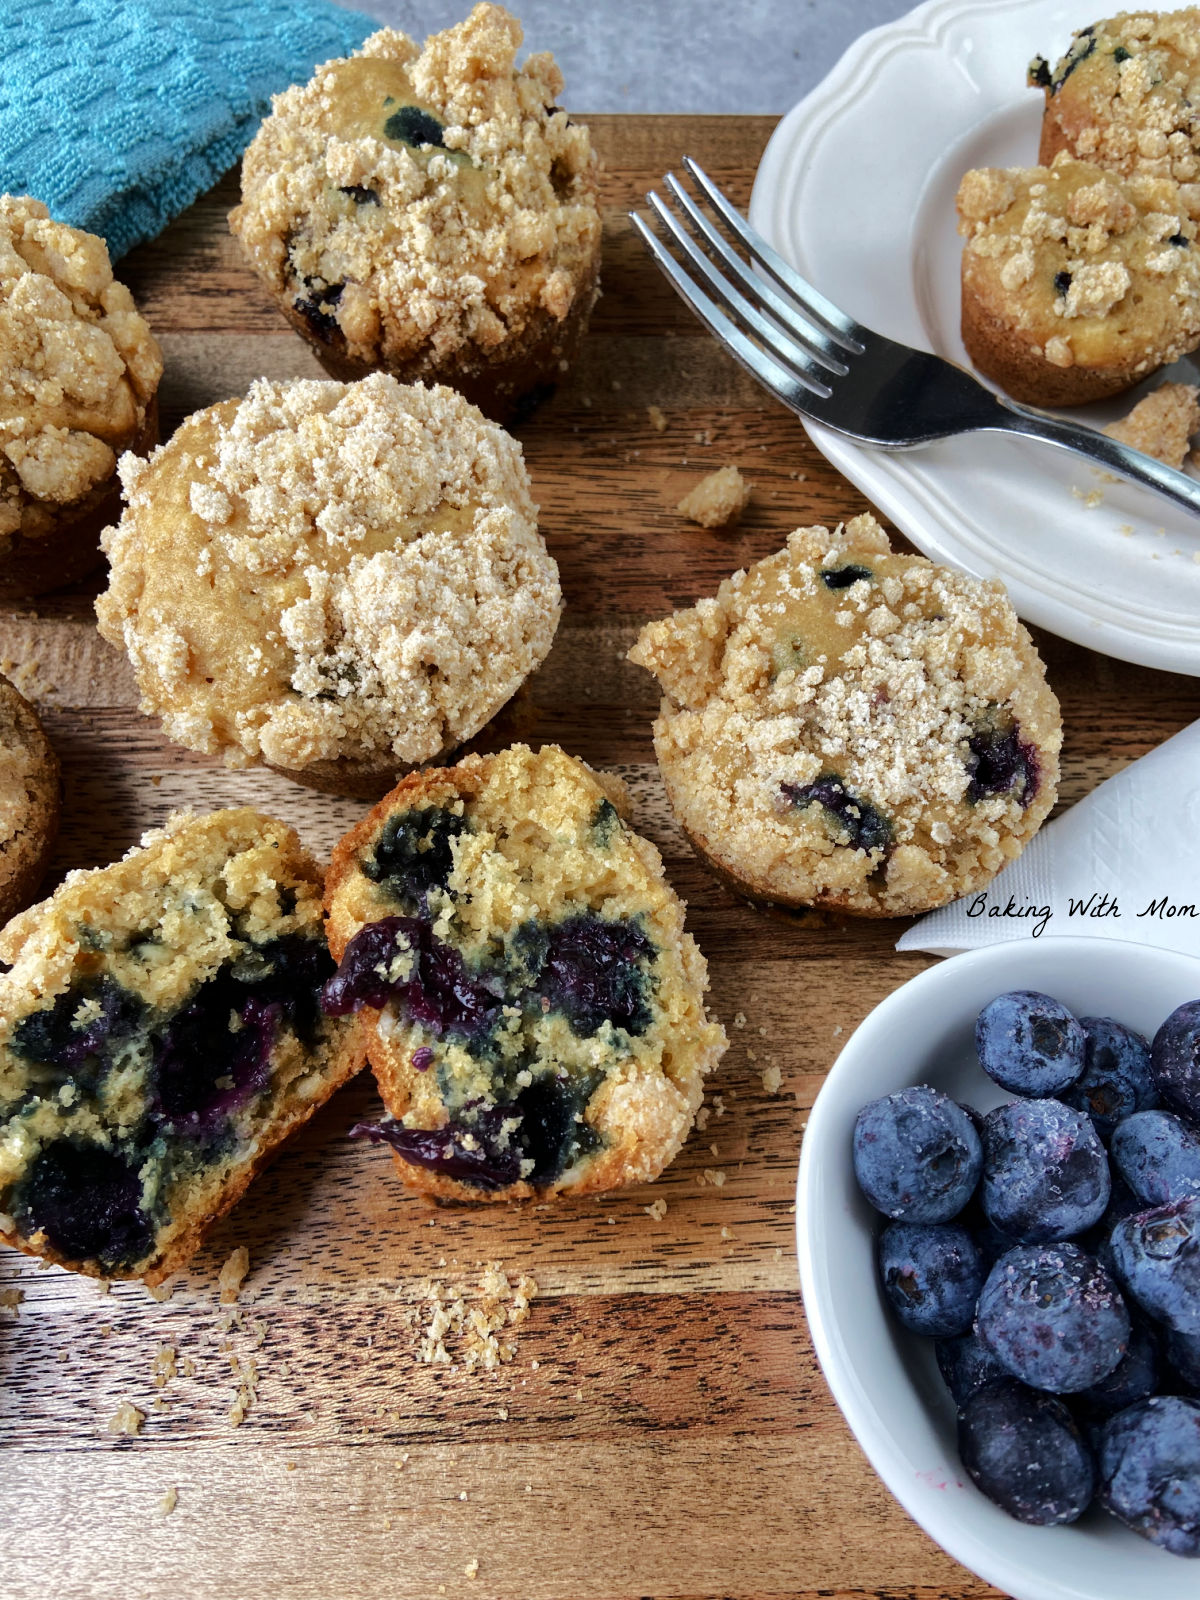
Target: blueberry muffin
851 728
29 800
339 580
160 1035
1076 282
535 1008
1124 96
432 212
79 371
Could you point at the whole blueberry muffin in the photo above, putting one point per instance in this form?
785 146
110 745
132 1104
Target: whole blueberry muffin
79 371
160 1035
1125 96
29 801
340 580
1076 282
429 211
847 727
535 1008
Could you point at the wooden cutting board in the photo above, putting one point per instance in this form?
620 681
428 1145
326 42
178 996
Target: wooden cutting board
661 1428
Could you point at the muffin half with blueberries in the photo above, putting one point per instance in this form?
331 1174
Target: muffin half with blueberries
340 580
431 212
534 1007
1076 282
1124 95
79 372
849 727
160 1036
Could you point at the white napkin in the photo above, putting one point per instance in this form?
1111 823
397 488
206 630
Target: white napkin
1122 864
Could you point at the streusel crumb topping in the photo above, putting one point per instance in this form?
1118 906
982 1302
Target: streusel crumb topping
329 569
1162 423
405 196
78 367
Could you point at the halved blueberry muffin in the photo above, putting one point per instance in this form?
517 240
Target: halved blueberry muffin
536 1013
160 1035
847 727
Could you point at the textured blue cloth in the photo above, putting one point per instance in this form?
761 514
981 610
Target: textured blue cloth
117 115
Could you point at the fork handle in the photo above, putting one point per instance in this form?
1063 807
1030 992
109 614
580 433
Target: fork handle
1097 448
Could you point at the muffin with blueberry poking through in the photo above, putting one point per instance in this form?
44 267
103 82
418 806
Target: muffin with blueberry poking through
160 1036
340 580
79 372
29 801
847 727
1124 96
534 1007
430 211
1076 282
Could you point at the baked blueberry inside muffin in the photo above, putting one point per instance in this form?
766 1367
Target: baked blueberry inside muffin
535 1008
160 1035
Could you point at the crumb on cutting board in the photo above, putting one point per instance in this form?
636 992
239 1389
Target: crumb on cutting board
717 500
126 1419
168 1502
658 420
1162 423
233 1275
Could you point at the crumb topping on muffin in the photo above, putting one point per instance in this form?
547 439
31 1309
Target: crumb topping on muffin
410 199
843 725
78 367
330 569
1162 423
1054 252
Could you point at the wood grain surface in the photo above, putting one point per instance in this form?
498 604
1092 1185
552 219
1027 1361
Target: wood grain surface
662 1428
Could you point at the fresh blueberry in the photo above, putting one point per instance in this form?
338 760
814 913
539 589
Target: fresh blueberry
1029 1043
931 1275
1116 1079
916 1155
414 853
1157 1257
1158 1156
862 825
1149 1467
1175 1060
966 1364
998 761
1045 1173
1134 1378
1182 1351
1024 1451
88 1203
1054 1317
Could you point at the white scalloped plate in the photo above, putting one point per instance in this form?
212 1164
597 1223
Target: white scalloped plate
856 188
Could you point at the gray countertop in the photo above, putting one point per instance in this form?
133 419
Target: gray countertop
707 55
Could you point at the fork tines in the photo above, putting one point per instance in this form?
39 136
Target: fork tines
786 339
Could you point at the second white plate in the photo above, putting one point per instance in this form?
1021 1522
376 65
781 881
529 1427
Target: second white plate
856 188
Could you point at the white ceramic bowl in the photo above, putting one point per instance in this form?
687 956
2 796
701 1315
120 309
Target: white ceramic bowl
886 1380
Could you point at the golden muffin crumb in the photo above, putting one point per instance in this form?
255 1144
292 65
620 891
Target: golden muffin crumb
327 572
535 1006
847 727
717 500
428 210
1162 423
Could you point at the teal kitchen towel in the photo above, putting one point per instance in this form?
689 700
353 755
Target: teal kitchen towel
117 113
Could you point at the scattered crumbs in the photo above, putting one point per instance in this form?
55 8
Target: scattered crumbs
156 779
164 1365
837 1030
534 1365
798 477
771 1079
656 1209
751 1055
702 1117
1091 498
1196 557
579 1395
762 1032
728 1233
703 438
658 420
714 1150
740 1020
719 1104
502 1413
1126 528
188 1367
471 1570
474 1327
105 1329
168 1502
290 1465
717 500
586 402
791 1211
10 1299
778 1253
64 1355
161 1291
711 1175
233 1275
610 1220
126 1419
616 383
528 1488
462 1494
103 1286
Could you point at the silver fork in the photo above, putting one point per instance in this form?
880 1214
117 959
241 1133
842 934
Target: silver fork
822 364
